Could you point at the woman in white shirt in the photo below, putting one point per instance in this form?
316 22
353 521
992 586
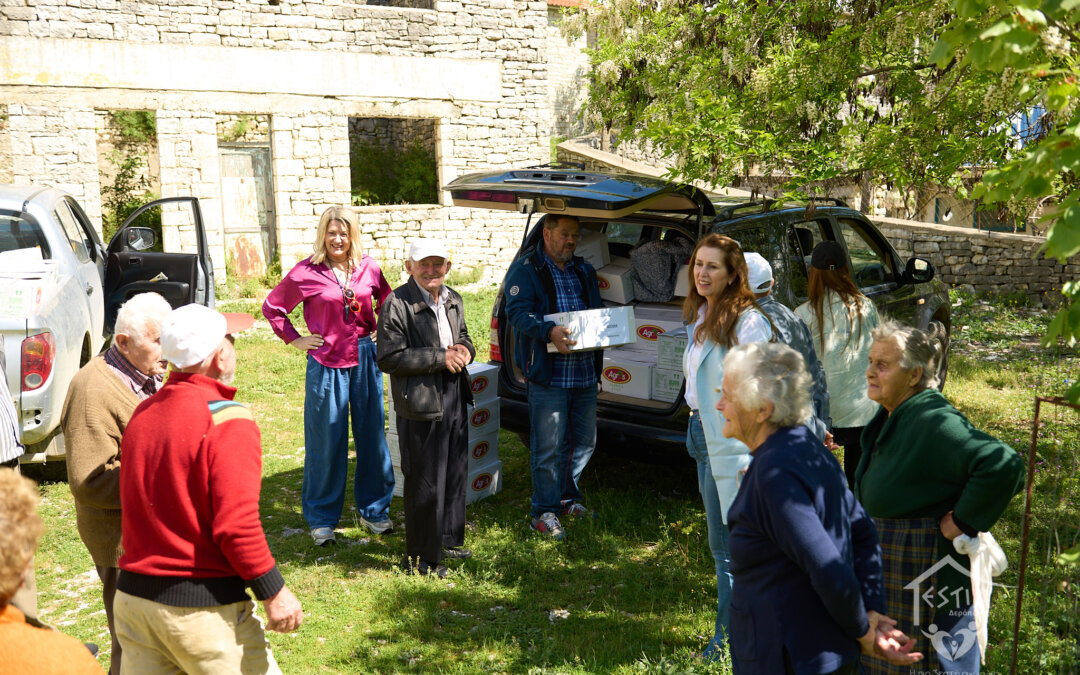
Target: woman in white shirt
722 313
840 319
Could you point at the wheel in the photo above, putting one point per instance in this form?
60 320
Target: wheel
940 334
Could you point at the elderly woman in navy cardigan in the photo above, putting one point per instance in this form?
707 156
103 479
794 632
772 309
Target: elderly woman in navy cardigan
807 597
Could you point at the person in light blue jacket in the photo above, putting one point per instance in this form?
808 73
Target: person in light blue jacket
721 312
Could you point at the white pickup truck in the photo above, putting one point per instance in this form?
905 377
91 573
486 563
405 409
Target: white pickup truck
60 289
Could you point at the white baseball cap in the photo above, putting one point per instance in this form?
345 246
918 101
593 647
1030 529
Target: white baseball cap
426 248
760 272
191 333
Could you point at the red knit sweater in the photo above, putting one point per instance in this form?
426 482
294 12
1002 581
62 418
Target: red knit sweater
189 490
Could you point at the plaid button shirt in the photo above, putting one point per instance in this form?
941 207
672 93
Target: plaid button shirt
142 385
577 370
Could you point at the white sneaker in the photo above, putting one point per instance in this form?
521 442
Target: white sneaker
378 526
323 536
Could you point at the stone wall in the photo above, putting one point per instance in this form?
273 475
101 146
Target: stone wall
984 262
397 133
476 68
58 145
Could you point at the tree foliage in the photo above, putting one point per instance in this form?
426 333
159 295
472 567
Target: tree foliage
1037 43
813 89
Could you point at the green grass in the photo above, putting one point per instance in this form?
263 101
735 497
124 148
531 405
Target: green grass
631 591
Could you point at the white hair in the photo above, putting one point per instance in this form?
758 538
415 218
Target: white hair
763 372
917 350
139 312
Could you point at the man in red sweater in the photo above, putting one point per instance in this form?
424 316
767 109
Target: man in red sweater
193 543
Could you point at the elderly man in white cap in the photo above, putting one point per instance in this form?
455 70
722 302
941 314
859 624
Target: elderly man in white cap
424 346
193 543
793 332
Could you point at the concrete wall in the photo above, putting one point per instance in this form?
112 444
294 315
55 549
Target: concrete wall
475 67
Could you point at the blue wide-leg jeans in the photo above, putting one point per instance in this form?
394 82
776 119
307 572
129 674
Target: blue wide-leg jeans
718 535
562 437
333 395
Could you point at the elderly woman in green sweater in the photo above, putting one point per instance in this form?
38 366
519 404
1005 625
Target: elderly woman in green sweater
927 476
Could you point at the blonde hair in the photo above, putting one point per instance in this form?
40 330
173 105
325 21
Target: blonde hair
344 215
20 528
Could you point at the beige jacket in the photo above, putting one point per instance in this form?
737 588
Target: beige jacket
96 412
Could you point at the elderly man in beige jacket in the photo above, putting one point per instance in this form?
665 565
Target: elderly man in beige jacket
102 397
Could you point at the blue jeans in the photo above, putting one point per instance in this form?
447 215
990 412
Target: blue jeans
562 436
956 633
718 535
333 395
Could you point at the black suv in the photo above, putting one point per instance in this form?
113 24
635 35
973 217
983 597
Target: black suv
632 210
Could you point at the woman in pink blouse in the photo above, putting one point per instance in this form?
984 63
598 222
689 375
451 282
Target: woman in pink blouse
338 285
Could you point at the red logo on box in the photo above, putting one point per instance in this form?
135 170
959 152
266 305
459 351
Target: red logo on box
647 332
480 417
602 283
479 384
482 481
616 374
480 449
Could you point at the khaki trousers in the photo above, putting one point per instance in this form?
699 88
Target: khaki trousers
159 638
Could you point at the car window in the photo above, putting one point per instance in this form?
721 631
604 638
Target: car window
71 229
802 237
764 240
623 233
20 230
85 228
871 264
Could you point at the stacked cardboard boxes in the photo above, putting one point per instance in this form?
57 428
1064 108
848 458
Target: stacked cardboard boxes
651 366
485 468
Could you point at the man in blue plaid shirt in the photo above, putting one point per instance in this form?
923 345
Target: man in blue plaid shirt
562 386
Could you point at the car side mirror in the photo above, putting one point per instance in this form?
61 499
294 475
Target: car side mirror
139 238
917 271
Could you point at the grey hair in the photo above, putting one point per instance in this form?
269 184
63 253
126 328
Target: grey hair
138 312
917 350
770 372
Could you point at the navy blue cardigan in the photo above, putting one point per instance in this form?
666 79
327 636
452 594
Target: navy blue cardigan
805 558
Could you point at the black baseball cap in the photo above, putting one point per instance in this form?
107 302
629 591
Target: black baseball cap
828 255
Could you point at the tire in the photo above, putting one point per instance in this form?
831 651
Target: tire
940 335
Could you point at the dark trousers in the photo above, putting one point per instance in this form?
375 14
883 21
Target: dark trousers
108 576
434 460
849 437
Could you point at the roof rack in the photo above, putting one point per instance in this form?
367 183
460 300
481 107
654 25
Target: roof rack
580 166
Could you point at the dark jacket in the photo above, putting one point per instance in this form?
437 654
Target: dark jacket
805 558
408 350
530 294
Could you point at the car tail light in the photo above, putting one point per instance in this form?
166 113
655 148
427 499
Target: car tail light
495 353
38 355
486 196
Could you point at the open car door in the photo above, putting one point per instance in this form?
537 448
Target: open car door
133 266
578 193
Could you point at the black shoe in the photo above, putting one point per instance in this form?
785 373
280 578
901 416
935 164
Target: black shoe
424 568
92 648
457 552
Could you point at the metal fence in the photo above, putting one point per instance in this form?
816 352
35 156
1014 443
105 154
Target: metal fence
1046 632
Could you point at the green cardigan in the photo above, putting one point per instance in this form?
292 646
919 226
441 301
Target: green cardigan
926 459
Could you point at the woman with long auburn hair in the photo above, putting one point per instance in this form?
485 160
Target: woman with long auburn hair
841 320
721 312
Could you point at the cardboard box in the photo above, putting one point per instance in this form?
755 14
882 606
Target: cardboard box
483 450
593 247
682 282
666 384
669 349
650 322
399 481
484 381
596 328
615 284
483 418
626 376
393 441
483 482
